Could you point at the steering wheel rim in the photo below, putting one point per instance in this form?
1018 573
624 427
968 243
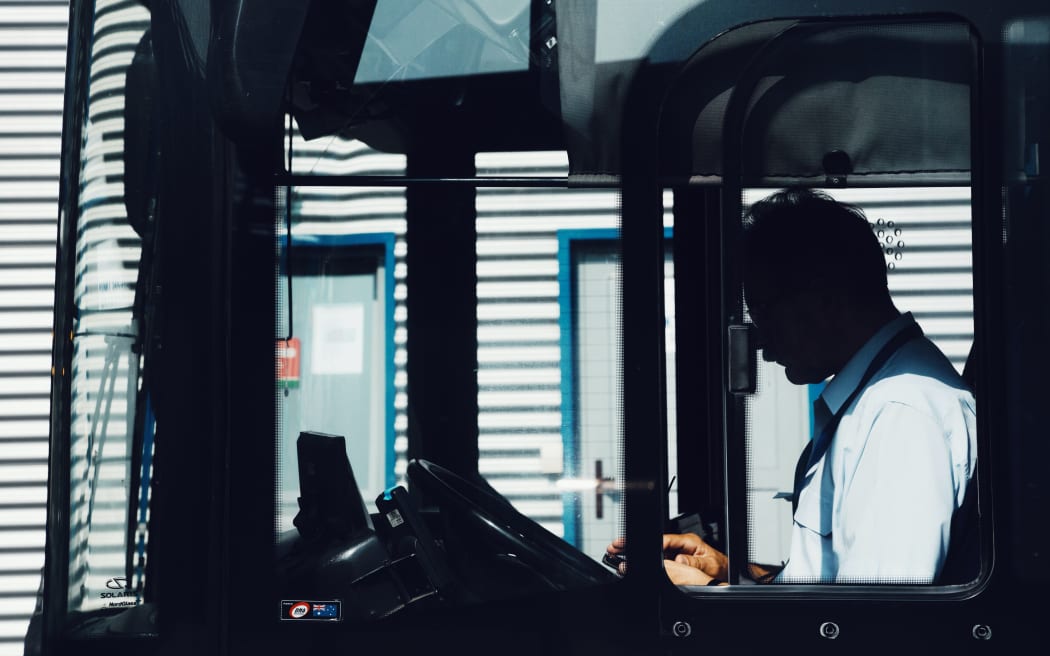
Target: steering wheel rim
499 523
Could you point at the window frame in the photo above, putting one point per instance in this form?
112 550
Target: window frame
643 175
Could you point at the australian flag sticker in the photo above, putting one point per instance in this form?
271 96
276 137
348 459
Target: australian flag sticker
318 611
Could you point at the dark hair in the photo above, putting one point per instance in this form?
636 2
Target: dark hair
802 238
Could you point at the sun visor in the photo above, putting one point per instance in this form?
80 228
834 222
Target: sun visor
836 105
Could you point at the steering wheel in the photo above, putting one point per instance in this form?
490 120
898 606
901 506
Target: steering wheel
487 518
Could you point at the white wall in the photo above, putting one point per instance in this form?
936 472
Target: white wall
32 76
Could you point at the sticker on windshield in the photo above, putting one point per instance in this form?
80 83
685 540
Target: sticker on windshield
324 611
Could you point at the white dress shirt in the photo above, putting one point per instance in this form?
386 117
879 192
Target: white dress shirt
878 504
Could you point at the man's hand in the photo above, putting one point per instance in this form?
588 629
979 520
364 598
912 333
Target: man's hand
617 549
686 574
689 560
690 550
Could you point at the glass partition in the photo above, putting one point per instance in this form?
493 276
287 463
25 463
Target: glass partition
107 535
341 334
549 349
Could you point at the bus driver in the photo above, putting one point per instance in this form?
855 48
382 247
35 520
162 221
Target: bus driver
893 445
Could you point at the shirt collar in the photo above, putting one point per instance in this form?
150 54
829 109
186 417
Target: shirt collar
845 381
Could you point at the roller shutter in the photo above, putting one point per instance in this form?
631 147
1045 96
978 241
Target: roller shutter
32 78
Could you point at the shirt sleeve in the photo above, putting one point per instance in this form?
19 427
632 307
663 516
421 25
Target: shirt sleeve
897 505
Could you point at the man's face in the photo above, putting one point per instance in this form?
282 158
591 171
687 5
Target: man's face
796 330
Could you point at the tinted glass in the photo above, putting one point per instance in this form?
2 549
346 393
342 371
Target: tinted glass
107 538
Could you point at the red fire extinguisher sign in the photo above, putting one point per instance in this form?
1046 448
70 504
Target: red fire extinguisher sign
288 358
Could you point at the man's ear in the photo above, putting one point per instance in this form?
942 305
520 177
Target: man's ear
835 304
824 290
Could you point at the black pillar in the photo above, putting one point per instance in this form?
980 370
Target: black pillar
697 246
442 309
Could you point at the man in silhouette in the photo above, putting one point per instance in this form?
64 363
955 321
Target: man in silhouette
893 446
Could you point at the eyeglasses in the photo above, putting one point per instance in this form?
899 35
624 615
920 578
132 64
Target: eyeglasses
768 310
756 311
773 303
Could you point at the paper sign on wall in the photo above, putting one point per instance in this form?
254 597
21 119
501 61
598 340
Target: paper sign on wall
338 345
